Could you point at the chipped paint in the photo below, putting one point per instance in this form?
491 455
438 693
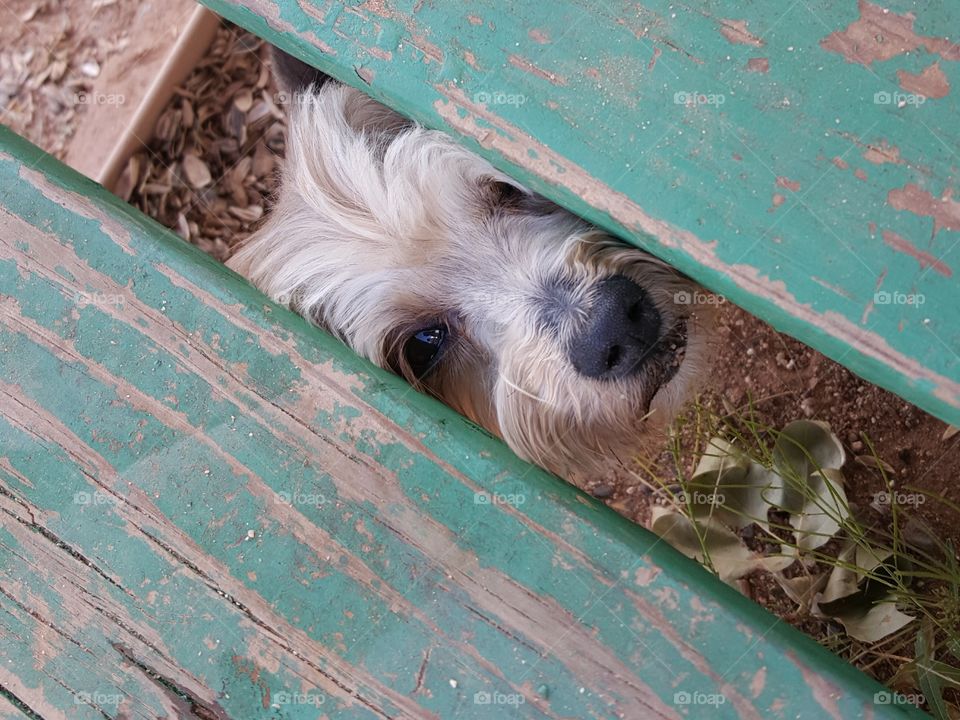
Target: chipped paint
926 260
825 693
538 36
645 576
879 35
523 64
366 74
882 153
418 36
944 210
736 32
758 683
657 52
785 182
931 82
832 288
758 65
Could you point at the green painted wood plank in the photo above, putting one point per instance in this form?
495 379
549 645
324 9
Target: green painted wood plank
777 152
212 510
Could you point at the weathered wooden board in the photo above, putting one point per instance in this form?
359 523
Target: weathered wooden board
778 152
211 510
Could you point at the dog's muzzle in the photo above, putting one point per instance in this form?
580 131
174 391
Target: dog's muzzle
622 333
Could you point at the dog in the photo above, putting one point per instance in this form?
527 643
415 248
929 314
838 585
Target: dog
573 347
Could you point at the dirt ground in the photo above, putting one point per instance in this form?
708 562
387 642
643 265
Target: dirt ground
225 117
786 381
790 381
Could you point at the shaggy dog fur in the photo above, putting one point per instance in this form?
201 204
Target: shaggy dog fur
420 255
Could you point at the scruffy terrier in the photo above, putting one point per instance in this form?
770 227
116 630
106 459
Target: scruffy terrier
572 346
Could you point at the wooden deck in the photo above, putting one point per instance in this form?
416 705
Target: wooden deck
801 158
210 510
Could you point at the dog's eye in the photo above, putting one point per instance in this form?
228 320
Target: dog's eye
422 349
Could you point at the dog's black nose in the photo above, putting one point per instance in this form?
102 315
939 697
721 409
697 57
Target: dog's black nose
620 333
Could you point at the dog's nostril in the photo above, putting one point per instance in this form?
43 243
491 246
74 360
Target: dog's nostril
635 311
613 357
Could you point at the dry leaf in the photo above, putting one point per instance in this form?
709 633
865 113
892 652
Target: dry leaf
803 588
220 124
728 555
875 624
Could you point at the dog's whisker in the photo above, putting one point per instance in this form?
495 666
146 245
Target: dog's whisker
510 383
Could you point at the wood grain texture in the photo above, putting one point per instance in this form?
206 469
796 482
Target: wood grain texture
211 510
776 152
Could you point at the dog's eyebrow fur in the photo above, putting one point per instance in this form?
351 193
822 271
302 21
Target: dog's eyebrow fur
500 196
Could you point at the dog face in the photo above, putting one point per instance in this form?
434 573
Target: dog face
424 258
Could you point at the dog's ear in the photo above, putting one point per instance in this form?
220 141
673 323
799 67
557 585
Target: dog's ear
361 112
295 76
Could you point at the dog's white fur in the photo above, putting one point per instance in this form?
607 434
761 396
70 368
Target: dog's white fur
383 227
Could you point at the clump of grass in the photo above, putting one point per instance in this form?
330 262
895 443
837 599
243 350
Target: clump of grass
825 547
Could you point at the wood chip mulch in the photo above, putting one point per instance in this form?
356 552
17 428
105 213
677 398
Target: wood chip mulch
210 170
49 59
